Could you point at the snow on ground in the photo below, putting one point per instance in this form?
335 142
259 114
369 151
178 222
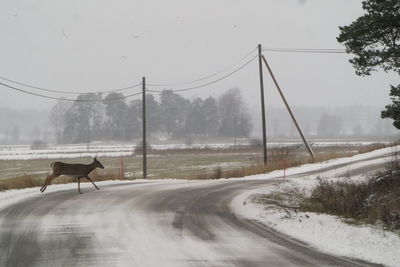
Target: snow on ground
10 197
33 155
24 152
325 232
374 157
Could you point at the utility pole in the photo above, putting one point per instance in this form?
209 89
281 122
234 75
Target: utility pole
309 149
264 124
144 149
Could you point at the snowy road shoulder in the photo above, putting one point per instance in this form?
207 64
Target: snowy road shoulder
324 232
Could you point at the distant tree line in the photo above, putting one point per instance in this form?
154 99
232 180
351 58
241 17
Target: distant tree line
172 114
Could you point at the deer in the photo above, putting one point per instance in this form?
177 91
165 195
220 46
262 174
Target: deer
78 171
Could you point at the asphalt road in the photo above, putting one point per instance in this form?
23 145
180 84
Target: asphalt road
171 223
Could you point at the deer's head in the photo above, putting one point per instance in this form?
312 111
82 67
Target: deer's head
97 164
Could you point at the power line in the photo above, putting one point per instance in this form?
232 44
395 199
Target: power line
67 92
208 76
131 86
290 50
307 50
125 88
67 99
209 83
297 48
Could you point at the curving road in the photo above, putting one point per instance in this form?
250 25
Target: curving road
173 223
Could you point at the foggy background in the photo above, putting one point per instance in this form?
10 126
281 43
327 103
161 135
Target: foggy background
88 46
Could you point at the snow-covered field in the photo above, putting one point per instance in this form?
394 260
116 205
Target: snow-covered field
325 232
24 152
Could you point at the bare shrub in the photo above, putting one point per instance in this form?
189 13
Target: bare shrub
374 200
341 198
218 172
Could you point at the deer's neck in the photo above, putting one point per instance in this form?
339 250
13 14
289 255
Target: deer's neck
91 167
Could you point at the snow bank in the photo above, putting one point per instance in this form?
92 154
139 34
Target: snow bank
324 232
323 167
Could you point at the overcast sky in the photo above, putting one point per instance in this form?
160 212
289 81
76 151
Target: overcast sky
97 45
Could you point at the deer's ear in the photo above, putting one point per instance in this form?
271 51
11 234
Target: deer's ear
95 159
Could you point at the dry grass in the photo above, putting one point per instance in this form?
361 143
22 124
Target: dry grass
286 157
188 164
28 181
376 200
272 165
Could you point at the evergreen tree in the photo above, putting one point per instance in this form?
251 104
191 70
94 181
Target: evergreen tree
374 39
174 109
196 120
78 119
57 119
116 111
134 120
97 121
393 110
211 114
153 114
235 120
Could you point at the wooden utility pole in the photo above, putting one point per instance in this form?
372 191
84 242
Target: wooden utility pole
264 124
288 109
144 144
88 137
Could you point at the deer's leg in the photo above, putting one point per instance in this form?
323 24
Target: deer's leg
79 185
43 184
47 182
90 179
